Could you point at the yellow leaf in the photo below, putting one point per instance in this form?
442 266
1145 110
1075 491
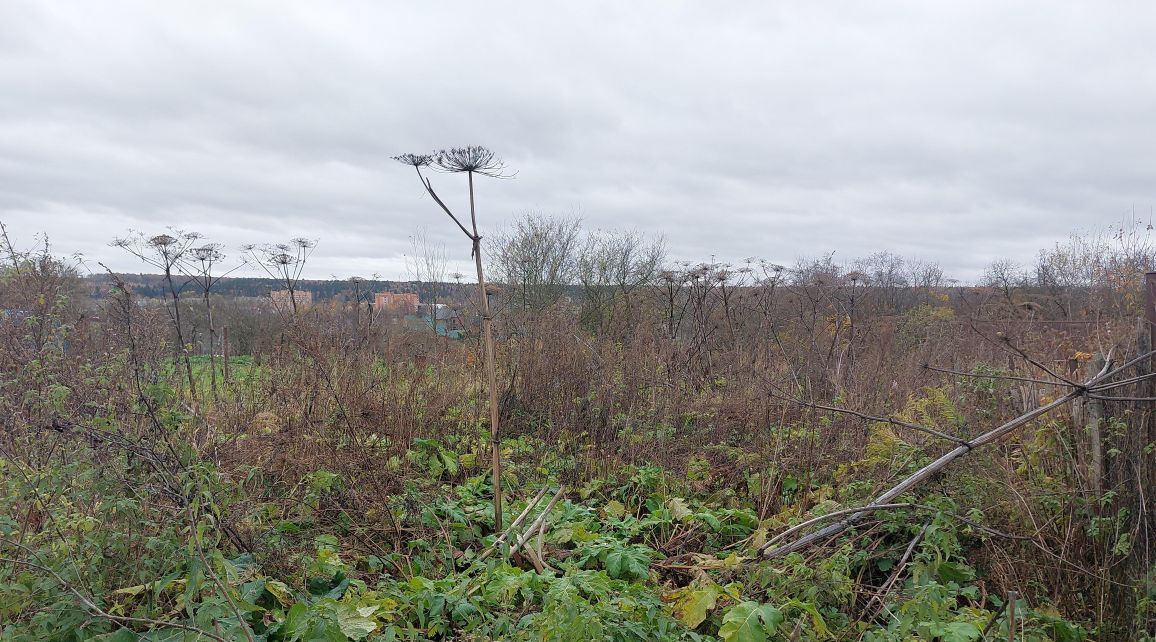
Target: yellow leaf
280 591
678 508
614 508
693 603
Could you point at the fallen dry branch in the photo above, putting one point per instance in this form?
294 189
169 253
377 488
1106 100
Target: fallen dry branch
884 501
879 507
538 523
515 524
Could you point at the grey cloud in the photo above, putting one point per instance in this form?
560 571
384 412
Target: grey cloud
958 133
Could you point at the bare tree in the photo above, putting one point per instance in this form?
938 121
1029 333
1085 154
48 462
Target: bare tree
611 266
15 257
1104 266
885 273
1004 276
473 160
926 277
165 252
537 257
426 264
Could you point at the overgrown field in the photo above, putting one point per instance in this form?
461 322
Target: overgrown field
337 484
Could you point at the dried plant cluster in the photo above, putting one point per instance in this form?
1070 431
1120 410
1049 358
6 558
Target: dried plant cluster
713 451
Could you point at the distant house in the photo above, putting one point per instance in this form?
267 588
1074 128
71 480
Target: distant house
281 299
446 320
396 302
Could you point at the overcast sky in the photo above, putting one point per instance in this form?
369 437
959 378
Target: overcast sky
957 132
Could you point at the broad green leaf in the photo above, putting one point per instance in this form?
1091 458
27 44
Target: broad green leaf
121 635
450 461
131 590
960 632
710 520
750 622
1065 632
296 621
742 624
817 621
627 563
953 572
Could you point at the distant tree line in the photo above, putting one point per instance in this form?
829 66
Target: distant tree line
153 286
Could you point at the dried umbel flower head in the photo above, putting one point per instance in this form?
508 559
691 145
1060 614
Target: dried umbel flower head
162 240
471 158
208 253
282 259
416 160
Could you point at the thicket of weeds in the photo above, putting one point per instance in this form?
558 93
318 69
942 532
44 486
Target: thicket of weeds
337 487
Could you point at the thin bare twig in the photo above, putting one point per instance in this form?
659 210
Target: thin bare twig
887 420
1107 398
976 375
198 545
886 588
1103 376
1117 384
429 188
1007 341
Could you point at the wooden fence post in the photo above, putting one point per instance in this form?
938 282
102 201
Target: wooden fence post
1093 422
225 352
1150 310
1011 615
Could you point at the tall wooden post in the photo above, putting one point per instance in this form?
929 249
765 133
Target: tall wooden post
1093 421
1150 311
225 352
1012 596
1143 422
